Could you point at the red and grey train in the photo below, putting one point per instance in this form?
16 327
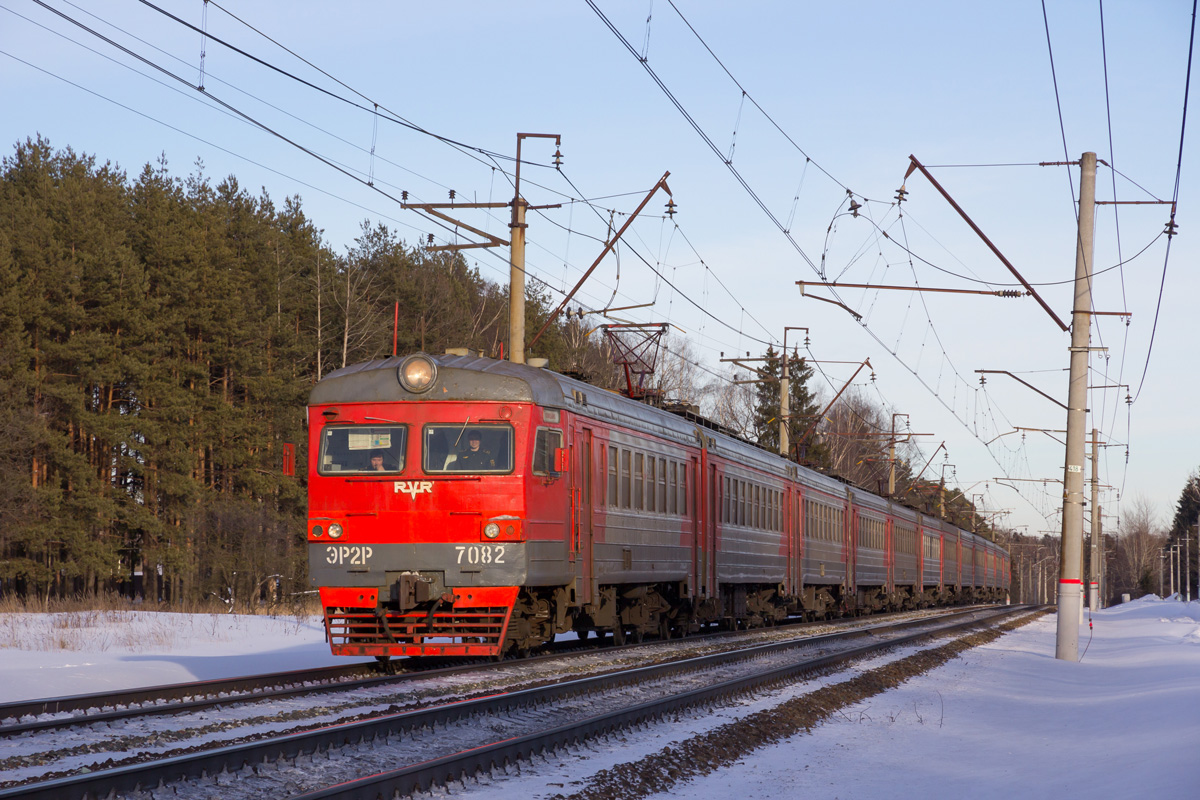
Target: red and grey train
464 506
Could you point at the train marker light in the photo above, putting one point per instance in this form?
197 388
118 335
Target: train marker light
417 373
317 530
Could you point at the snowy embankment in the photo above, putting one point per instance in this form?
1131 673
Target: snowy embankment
1003 720
51 655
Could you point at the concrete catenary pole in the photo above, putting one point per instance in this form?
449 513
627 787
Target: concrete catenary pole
1070 579
516 259
516 283
1171 567
784 392
1094 558
1186 573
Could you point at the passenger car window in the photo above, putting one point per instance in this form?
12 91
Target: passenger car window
468 448
347 449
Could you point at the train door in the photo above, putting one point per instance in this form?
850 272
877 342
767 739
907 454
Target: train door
941 560
850 545
702 504
582 534
889 554
713 492
699 565
919 544
798 538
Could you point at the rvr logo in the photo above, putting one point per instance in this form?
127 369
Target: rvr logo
413 488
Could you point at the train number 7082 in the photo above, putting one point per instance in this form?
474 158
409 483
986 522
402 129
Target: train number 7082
480 554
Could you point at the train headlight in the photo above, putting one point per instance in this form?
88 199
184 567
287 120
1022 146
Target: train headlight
335 531
491 530
417 373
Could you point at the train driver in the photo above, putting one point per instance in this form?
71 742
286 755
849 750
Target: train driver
475 458
376 461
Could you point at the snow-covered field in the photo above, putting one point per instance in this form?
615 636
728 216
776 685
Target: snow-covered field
50 655
1004 720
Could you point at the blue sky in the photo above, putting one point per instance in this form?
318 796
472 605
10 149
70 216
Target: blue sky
850 89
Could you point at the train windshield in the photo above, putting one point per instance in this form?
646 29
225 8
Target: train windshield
347 449
468 447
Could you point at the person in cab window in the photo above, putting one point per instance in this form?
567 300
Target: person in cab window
475 458
376 462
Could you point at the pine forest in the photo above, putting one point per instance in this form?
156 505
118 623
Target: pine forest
158 339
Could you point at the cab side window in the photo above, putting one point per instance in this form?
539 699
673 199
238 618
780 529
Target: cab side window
544 444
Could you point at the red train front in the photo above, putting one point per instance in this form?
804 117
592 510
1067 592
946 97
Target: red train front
420 484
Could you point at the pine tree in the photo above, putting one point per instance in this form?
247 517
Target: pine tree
802 407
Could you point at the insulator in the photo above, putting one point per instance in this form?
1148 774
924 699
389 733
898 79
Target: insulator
1171 228
430 244
671 207
901 193
404 195
854 207
558 157
452 195
1009 293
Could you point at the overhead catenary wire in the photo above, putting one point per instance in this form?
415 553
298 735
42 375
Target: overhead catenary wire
367 182
1174 201
715 274
754 196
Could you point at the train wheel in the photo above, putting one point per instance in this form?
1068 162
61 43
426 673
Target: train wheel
638 635
385 665
664 628
618 633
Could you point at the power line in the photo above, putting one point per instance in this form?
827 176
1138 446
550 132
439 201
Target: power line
746 95
1174 201
704 136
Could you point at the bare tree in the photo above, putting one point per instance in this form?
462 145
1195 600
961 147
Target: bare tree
733 404
852 432
1135 567
678 375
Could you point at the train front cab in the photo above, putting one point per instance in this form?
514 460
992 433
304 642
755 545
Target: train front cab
427 556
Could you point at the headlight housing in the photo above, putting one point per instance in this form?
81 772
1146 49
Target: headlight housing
317 530
335 530
491 530
417 373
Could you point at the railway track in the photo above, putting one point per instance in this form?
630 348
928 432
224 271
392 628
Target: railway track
31 715
499 727
57 713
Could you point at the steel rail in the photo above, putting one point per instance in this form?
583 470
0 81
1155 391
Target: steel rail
148 701
133 777
153 694
459 766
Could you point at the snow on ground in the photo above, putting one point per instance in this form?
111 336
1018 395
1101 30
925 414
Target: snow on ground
51 655
1001 721
1009 720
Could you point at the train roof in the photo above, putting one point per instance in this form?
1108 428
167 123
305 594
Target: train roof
472 378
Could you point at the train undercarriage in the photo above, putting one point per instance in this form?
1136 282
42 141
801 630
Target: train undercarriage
507 621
